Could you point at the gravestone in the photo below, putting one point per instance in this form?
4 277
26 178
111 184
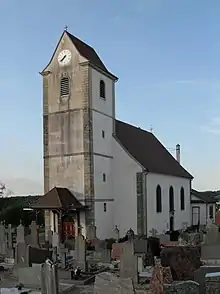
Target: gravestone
130 234
51 278
20 234
103 255
3 240
128 262
63 255
164 238
184 225
153 232
212 283
30 276
21 259
80 250
210 252
56 241
210 249
34 234
37 255
100 245
212 234
50 236
199 275
184 287
116 234
10 251
54 254
140 246
91 232
116 251
10 236
108 283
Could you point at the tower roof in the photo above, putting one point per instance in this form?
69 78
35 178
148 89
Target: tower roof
89 53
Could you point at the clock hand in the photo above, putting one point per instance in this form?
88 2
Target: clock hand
63 58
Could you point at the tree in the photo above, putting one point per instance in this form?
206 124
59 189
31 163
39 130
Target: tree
2 189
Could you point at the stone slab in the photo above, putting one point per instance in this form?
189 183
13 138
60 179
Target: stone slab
30 276
109 284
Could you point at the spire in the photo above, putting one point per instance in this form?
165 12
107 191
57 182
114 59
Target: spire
66 28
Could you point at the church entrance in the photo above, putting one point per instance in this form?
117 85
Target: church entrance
69 230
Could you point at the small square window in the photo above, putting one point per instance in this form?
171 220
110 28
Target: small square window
103 177
105 207
103 134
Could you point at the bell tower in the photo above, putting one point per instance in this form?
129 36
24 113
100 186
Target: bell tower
68 128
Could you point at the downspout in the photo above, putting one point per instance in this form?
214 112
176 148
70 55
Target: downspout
145 201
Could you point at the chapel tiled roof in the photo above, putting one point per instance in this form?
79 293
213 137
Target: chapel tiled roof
58 198
89 53
205 196
148 151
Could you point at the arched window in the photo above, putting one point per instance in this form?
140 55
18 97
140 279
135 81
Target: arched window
171 198
182 199
158 199
102 89
64 86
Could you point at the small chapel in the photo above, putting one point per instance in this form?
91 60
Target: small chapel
99 170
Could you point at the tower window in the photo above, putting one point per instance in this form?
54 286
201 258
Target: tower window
64 86
103 177
103 134
102 89
105 207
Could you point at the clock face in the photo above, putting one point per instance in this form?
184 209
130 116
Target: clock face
64 57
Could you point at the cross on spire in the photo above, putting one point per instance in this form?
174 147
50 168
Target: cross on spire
66 28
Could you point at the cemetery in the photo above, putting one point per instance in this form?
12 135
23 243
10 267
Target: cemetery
31 263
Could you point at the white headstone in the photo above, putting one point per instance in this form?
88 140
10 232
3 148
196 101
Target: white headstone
20 234
3 239
34 234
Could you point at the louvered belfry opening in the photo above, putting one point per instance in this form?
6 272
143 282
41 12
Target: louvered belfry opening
64 86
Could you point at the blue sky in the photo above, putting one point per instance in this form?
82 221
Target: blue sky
166 54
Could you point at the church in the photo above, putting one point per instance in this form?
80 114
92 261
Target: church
115 173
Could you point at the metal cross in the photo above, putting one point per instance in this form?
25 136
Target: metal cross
65 28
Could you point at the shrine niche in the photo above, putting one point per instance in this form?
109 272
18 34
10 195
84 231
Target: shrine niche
64 214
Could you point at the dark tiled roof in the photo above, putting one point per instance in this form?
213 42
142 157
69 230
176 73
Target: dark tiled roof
205 196
148 151
88 52
58 198
18 201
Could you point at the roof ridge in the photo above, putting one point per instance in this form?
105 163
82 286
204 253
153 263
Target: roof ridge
71 35
58 196
88 52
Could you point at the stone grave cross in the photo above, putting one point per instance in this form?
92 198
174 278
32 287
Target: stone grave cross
153 232
116 234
